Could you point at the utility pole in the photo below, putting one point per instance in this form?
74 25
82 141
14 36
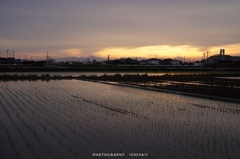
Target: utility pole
13 54
7 54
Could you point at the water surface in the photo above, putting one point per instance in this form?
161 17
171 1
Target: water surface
76 119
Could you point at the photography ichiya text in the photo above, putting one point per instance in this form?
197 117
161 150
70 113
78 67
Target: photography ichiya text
120 154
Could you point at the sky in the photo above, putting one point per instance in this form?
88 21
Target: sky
125 28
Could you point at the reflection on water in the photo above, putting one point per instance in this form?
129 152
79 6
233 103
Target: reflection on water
80 118
74 74
237 78
166 83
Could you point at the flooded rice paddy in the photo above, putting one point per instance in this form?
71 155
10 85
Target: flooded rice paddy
79 119
75 74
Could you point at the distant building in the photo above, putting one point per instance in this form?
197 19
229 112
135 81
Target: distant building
199 63
175 62
128 61
143 62
154 61
4 60
167 61
220 59
236 60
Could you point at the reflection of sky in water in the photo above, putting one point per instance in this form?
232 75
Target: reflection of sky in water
101 73
167 83
110 118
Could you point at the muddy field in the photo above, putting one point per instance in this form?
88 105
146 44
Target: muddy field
220 86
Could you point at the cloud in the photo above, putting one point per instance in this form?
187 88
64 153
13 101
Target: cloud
92 26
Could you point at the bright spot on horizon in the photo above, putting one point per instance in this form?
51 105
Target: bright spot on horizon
158 51
166 51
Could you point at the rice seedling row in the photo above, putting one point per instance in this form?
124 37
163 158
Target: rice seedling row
79 118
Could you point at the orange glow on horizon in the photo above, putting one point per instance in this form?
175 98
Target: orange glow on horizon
164 51
74 52
160 51
167 51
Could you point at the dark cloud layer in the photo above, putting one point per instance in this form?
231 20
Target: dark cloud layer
93 24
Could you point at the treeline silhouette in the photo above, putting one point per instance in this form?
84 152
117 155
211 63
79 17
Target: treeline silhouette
32 77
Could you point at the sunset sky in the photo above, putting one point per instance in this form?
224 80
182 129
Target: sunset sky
124 28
